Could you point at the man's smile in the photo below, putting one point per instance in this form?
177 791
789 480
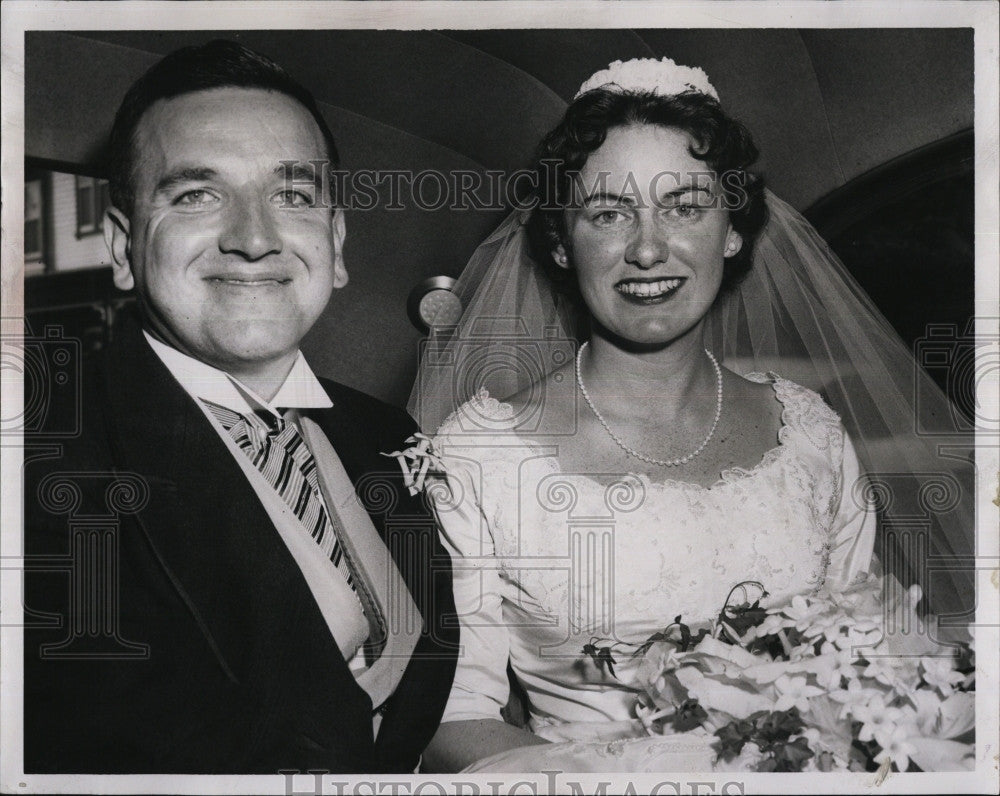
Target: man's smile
249 280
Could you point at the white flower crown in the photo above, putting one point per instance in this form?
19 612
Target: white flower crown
664 77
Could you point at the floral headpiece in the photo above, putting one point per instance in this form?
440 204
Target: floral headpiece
663 77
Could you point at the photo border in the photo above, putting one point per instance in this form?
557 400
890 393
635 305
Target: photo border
20 16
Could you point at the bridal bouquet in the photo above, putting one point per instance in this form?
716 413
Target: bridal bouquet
818 684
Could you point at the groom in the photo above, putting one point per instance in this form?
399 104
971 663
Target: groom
208 589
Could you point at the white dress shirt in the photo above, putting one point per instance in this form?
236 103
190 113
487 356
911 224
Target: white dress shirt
300 390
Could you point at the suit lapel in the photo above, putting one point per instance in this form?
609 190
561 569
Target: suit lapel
204 521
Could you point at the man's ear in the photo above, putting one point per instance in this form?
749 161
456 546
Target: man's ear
560 256
339 233
734 242
119 241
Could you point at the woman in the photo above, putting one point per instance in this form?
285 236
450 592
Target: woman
640 480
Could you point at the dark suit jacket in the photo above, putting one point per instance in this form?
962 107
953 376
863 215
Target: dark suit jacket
168 627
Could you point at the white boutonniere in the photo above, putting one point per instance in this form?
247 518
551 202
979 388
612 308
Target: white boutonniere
417 462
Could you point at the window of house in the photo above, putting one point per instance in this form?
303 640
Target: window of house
33 219
91 202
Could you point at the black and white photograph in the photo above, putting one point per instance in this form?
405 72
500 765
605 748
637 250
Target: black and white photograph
509 397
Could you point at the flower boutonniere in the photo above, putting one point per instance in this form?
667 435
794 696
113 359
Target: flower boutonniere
417 462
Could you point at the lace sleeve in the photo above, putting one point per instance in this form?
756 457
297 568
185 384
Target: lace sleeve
853 531
480 687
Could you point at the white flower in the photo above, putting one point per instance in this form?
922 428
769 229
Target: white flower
664 77
896 747
879 721
718 696
772 624
855 697
957 716
899 673
649 715
928 709
805 613
859 636
794 692
834 666
938 673
416 461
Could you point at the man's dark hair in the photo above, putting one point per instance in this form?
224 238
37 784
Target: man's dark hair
724 144
216 64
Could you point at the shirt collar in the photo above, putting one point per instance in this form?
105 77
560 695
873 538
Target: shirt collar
301 389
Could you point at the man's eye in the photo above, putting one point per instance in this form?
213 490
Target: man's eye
293 199
195 197
609 217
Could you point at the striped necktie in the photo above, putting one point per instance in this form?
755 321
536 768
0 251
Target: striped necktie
277 449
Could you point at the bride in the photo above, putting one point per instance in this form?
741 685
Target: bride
640 479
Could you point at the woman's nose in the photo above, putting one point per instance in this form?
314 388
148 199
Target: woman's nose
250 230
648 246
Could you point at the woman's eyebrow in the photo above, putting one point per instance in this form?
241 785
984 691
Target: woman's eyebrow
686 189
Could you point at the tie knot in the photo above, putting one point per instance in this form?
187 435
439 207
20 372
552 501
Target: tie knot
275 423
258 425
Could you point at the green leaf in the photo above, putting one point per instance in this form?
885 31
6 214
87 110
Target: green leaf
689 716
792 756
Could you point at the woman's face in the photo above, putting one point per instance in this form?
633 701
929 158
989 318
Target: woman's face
647 234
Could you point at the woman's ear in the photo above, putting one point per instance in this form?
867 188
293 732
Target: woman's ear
118 238
734 242
560 256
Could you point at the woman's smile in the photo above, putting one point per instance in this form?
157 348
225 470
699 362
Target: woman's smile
649 291
660 246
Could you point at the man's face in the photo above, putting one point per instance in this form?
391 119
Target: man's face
232 267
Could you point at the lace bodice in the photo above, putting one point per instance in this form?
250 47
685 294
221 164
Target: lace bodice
545 560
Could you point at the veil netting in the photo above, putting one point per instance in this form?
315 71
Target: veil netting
800 314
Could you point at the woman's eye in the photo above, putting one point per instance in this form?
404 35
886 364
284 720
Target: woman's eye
195 197
685 210
293 199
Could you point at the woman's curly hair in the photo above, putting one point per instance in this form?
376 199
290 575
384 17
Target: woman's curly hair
723 143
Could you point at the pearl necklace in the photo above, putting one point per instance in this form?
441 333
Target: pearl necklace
642 456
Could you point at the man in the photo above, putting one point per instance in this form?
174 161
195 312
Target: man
239 581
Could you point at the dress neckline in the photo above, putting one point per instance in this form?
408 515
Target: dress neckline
784 393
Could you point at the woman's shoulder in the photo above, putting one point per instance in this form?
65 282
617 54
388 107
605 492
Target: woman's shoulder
804 413
481 413
481 427
543 409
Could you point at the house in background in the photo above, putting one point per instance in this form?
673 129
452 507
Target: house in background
63 221
66 262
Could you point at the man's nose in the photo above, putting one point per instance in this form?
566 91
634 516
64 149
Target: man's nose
250 230
649 246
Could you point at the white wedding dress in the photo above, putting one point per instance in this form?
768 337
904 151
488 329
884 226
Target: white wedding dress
545 560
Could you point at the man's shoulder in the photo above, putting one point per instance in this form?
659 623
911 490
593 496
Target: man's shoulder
367 408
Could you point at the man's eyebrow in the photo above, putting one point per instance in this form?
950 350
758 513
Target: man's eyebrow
298 172
606 196
184 174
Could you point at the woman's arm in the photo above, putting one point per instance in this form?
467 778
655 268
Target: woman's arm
469 731
853 530
458 744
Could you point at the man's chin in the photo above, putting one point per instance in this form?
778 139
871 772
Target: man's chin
252 346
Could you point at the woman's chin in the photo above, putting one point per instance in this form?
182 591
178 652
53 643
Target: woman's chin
648 337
